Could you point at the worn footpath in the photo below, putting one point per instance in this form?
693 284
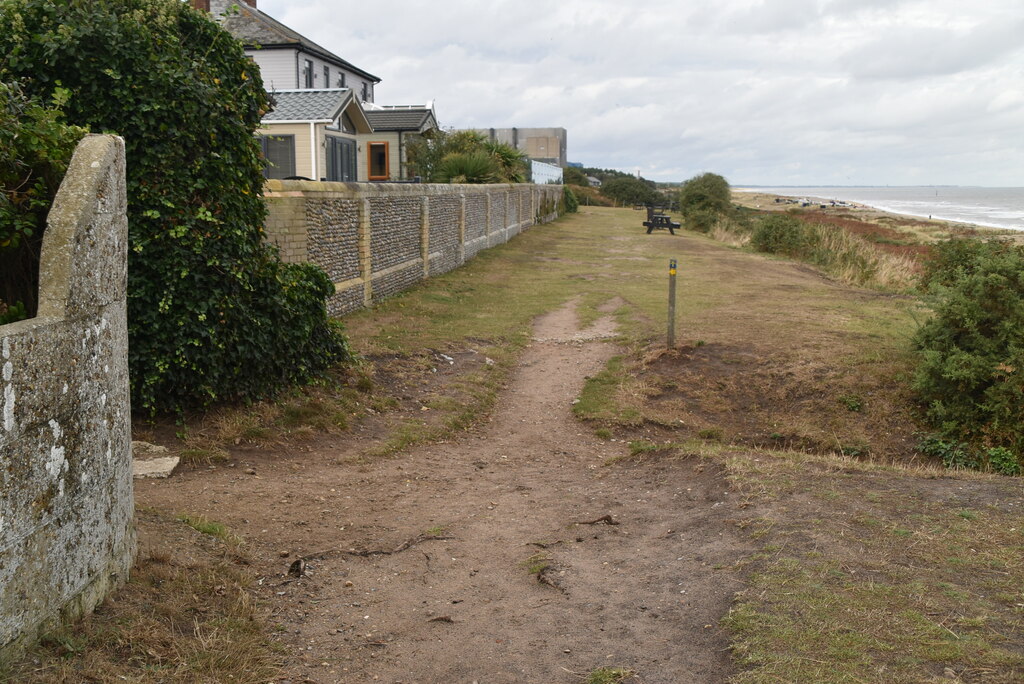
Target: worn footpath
527 550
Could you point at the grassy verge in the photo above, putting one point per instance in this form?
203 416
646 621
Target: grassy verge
185 616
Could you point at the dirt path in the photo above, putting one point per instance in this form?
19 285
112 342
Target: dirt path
462 524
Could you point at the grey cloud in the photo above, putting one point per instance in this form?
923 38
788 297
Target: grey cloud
932 51
773 92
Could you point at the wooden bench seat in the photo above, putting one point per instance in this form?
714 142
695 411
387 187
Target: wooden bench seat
659 221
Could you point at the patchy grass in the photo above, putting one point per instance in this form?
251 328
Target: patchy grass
609 675
878 573
537 563
200 523
186 615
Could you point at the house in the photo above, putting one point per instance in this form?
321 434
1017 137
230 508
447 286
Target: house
394 128
287 60
314 134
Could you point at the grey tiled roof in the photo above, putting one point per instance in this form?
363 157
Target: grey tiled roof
398 119
254 28
307 105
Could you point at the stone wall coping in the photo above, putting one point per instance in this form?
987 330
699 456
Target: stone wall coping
74 208
358 191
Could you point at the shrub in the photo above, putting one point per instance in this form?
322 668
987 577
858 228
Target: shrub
572 205
956 258
970 372
468 167
465 157
35 148
701 220
212 313
781 234
707 192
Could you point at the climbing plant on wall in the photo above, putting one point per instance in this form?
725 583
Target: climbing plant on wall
213 313
35 148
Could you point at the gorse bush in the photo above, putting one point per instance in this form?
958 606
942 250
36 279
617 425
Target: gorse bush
212 312
781 234
35 148
970 374
701 220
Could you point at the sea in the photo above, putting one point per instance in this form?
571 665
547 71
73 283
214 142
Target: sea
994 207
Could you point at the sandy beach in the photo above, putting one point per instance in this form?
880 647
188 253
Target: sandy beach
922 227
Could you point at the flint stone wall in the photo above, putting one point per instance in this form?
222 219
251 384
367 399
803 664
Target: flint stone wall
66 512
376 240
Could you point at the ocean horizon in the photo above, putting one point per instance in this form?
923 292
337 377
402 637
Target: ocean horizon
981 206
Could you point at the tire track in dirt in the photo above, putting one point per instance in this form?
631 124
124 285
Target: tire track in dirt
643 594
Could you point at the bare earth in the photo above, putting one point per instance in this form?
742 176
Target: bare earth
418 568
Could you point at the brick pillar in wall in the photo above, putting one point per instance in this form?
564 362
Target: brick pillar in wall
425 234
462 228
487 226
365 255
508 214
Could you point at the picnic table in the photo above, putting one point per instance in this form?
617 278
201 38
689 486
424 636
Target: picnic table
659 221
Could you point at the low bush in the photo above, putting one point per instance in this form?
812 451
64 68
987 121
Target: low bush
781 234
970 373
701 220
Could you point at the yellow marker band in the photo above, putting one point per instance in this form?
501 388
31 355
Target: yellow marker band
671 271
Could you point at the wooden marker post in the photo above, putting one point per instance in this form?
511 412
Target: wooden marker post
671 303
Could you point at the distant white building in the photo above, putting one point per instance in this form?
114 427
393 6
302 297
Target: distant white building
542 172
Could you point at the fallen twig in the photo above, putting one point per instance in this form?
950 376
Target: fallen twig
442 618
407 544
404 546
606 519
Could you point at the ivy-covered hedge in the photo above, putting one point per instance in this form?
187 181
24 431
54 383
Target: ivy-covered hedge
213 314
35 148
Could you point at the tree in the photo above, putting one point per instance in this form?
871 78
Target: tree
706 192
213 314
573 176
630 190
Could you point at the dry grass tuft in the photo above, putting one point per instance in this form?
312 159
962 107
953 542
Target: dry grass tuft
186 615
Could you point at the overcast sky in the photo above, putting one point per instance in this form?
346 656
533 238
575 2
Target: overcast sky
844 92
